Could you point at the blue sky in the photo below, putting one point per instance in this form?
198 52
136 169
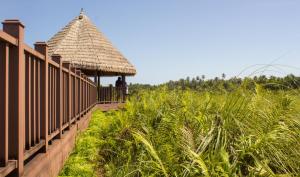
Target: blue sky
172 39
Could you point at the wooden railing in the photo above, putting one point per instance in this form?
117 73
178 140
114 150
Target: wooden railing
112 95
40 98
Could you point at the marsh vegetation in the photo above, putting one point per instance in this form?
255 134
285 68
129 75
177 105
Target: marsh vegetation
187 132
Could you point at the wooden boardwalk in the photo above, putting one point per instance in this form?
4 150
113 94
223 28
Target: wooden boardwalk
110 106
45 101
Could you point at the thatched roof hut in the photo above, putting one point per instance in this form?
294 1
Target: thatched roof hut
82 45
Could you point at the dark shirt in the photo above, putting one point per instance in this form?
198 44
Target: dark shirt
118 83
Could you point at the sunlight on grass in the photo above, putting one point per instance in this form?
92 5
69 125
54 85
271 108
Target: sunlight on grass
84 159
187 133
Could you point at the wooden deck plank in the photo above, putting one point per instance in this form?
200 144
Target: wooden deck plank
11 165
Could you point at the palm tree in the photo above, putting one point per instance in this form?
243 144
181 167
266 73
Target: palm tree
223 76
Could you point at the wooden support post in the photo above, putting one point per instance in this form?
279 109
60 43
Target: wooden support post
123 88
96 82
84 93
73 102
42 47
16 94
4 61
33 101
50 122
78 72
110 94
76 94
28 103
87 93
52 95
59 106
98 88
81 93
38 101
68 66
95 79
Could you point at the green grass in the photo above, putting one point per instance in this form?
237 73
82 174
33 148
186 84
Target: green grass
188 133
83 161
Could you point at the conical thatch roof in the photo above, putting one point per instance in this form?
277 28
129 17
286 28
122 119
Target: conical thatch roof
82 45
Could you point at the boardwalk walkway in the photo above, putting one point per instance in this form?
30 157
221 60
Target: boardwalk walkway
112 106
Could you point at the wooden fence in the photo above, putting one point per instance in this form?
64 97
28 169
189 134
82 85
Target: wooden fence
40 98
111 94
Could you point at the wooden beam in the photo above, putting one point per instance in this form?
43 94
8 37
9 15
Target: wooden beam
8 38
34 52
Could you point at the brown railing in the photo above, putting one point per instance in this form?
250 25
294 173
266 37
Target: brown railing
112 95
40 98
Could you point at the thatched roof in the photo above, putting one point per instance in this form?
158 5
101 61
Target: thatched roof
82 45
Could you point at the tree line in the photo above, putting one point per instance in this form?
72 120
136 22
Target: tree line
200 83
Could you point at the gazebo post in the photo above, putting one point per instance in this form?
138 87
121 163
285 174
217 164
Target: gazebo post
96 82
95 79
124 88
98 85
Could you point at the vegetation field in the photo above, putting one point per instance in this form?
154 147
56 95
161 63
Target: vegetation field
177 132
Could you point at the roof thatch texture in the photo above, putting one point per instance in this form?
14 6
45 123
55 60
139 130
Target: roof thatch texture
82 45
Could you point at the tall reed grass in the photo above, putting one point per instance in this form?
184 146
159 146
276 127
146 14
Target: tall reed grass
186 133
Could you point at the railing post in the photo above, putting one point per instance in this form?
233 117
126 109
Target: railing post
88 94
68 66
81 93
16 94
4 50
59 111
84 94
74 94
78 72
110 96
123 88
42 47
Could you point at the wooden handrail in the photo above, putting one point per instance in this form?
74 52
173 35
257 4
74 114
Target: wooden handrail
112 94
34 52
42 98
8 38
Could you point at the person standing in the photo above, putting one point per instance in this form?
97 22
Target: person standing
119 83
119 89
